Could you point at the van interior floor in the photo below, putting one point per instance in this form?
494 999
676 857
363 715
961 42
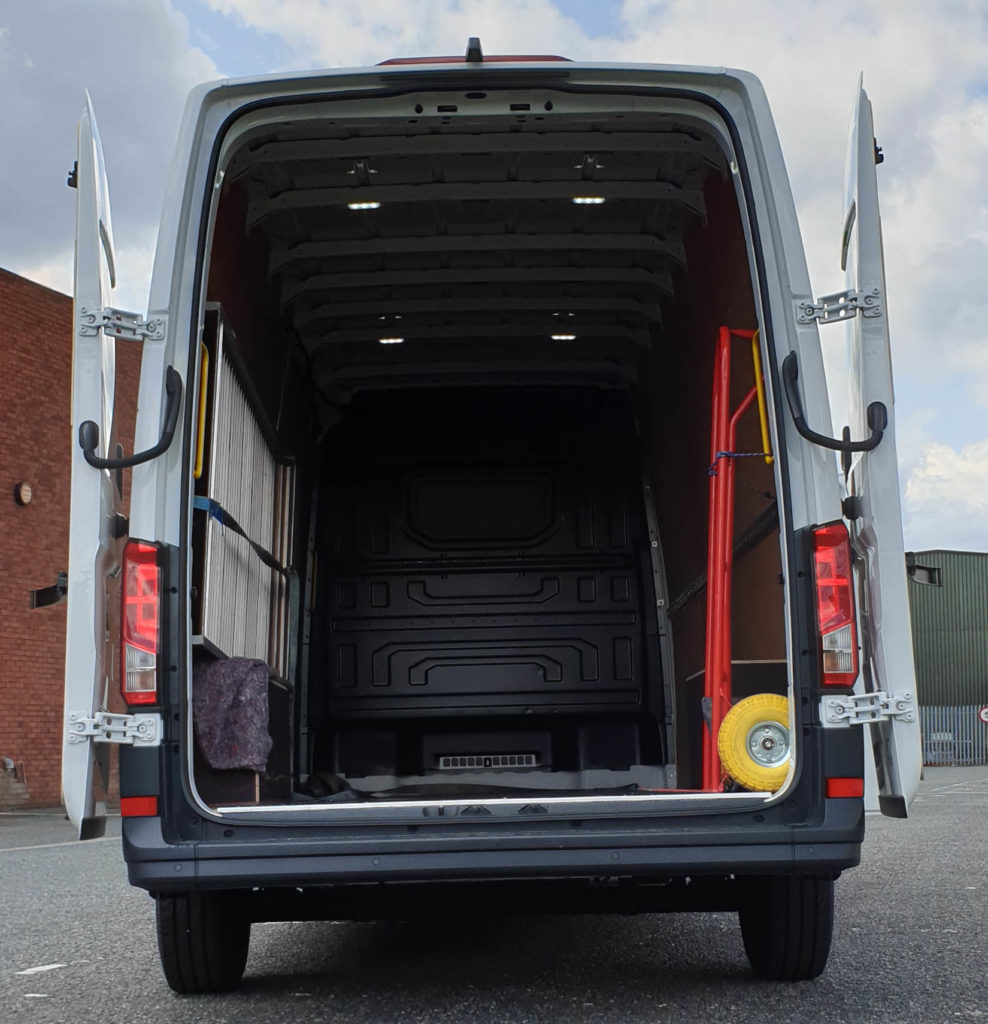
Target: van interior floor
329 788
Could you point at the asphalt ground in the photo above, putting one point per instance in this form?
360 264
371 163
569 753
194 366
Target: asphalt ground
910 945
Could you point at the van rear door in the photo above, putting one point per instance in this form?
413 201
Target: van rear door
93 547
873 482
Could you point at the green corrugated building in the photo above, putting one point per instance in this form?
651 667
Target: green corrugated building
948 598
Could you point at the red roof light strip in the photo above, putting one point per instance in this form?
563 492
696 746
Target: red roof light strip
501 59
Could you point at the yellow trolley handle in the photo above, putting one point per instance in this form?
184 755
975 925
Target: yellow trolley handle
756 358
201 427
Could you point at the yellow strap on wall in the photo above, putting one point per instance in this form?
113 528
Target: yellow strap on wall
756 358
201 428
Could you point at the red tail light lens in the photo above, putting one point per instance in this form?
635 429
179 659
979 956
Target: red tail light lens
139 623
835 605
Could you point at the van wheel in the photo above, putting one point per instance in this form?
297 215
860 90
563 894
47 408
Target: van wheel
202 941
786 924
753 742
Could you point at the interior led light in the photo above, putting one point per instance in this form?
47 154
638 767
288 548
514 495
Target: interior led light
363 206
564 337
588 200
391 341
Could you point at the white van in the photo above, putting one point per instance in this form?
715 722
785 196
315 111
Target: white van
487 546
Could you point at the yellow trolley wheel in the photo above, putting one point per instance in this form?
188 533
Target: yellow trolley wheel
753 741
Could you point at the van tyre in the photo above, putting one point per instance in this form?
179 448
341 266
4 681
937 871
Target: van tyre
787 923
203 940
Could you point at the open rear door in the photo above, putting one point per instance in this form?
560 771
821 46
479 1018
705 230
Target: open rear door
93 548
873 480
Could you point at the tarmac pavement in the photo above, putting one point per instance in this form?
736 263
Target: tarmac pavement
910 945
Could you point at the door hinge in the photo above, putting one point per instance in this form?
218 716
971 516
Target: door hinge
843 305
104 727
118 323
863 708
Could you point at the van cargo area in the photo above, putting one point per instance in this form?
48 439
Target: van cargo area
454 455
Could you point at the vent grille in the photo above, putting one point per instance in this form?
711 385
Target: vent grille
459 761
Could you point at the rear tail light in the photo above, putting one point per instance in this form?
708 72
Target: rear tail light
832 571
140 623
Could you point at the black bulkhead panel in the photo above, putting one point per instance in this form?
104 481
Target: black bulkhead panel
484 551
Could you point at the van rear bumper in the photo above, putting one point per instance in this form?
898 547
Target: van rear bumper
667 851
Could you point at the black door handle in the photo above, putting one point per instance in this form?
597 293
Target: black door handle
89 431
877 416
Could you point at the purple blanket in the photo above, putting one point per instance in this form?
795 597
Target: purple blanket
230 704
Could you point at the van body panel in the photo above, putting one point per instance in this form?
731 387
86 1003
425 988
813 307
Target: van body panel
490 538
874 481
94 551
285 856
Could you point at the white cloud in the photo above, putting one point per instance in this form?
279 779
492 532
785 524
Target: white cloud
924 69
331 33
54 271
912 434
946 501
137 64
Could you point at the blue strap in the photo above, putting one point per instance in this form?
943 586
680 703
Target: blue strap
219 513
213 508
216 510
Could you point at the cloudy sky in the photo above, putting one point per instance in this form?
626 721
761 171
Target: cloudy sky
925 67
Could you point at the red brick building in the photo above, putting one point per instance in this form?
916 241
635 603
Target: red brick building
35 380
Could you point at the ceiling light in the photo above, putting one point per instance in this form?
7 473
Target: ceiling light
588 200
390 341
564 337
363 206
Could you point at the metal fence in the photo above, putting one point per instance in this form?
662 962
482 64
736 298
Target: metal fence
954 735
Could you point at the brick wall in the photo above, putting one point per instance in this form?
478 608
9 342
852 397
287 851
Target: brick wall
35 382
